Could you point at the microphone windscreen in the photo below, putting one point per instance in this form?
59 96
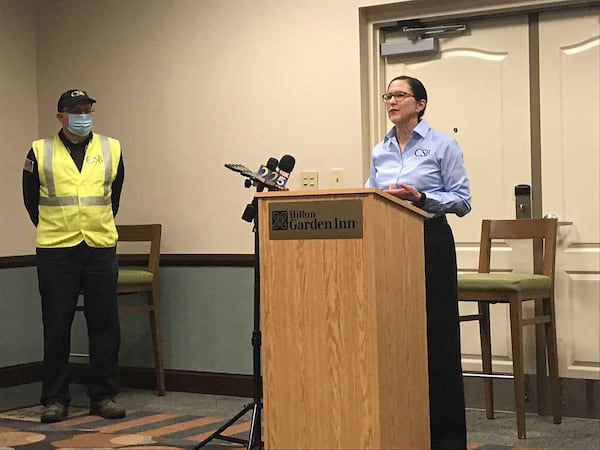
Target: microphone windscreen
287 163
272 163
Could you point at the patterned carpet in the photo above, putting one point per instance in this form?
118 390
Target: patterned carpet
21 429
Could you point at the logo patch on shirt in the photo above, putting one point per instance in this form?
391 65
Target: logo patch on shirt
422 152
28 165
94 159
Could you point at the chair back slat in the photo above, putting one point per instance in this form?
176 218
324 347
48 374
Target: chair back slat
519 229
144 233
522 228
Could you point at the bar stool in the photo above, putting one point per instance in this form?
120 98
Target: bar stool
514 289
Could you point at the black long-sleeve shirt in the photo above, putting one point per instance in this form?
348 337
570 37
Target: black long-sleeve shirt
31 180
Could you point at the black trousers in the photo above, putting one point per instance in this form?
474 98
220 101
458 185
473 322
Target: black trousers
446 391
63 273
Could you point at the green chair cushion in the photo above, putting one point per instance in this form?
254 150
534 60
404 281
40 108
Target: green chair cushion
503 281
127 276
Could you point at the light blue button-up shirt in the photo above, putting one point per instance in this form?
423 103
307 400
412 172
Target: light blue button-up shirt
432 162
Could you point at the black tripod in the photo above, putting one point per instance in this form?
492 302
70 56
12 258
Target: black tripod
254 440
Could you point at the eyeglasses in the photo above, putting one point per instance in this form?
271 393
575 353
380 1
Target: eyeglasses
400 95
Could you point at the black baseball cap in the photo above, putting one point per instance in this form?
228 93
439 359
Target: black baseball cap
72 96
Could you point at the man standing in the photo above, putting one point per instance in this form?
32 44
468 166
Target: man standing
71 188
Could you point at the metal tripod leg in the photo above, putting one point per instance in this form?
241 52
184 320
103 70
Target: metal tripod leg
217 434
255 432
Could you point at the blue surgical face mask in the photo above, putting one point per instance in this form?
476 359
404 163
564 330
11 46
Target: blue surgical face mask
80 124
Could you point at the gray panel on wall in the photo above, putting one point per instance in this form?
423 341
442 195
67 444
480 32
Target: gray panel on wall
206 318
206 321
20 317
207 315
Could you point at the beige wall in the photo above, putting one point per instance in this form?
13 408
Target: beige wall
188 85
18 120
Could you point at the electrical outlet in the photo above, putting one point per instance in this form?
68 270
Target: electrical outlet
336 177
309 180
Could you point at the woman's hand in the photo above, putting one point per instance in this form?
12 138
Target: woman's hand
404 191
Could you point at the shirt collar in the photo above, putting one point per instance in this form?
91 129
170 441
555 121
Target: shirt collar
421 129
72 145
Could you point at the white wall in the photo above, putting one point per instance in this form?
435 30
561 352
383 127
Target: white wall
189 85
18 120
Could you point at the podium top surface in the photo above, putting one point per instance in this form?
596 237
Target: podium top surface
341 193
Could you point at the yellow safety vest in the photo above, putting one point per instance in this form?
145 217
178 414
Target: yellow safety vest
76 206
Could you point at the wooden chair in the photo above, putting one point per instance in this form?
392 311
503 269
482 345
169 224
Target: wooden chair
514 289
145 281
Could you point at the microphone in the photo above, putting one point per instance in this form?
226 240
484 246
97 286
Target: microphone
286 165
265 175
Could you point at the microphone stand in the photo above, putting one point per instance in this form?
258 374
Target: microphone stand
254 440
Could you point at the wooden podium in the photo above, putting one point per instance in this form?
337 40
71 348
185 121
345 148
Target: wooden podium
344 345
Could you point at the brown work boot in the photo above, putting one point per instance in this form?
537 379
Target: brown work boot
107 408
53 412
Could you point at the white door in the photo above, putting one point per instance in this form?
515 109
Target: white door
478 86
570 124
478 89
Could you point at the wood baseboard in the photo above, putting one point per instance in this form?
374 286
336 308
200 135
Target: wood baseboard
20 374
180 380
580 397
237 385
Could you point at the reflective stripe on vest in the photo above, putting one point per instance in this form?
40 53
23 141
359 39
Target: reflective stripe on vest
54 200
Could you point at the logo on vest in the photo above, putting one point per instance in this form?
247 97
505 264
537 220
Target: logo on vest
94 159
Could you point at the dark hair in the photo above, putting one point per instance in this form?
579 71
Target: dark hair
418 90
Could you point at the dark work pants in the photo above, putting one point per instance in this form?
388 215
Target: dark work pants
446 391
62 274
